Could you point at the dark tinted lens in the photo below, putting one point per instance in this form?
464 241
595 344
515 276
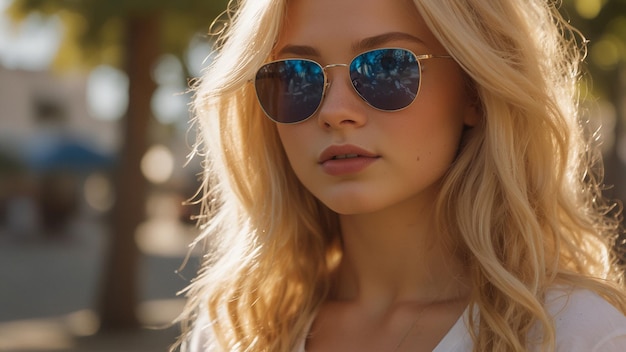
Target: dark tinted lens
387 79
290 90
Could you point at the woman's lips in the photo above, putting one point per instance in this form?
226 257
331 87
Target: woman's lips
345 160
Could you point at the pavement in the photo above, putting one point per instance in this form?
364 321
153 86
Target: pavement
49 287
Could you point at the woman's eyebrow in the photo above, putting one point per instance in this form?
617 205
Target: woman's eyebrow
382 39
362 45
298 50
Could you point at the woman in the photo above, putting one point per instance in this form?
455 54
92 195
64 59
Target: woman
401 176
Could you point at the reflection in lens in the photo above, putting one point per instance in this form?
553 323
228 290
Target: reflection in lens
290 90
387 79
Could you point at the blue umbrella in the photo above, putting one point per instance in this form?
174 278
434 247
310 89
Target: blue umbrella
71 155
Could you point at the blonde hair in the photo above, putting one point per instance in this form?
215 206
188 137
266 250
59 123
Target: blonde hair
521 204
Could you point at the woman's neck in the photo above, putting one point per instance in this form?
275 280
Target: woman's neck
397 256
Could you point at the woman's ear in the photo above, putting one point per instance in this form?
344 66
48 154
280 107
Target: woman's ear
474 111
473 114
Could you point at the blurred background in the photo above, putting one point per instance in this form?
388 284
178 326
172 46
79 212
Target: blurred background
94 139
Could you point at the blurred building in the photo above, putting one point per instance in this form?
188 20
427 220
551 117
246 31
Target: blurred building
36 105
49 145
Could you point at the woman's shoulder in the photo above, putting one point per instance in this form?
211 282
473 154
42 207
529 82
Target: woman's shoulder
584 321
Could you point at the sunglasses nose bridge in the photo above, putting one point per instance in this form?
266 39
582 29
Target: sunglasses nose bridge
334 65
327 67
328 82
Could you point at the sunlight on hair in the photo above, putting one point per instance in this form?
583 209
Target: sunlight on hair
602 118
519 210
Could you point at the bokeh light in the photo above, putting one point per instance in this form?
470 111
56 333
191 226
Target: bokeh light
107 93
157 164
31 44
99 192
589 9
606 52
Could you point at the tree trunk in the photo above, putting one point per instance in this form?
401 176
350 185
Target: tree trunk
120 288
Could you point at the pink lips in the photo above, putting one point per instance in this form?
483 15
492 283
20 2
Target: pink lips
345 160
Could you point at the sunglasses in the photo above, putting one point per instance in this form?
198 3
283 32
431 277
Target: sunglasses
292 90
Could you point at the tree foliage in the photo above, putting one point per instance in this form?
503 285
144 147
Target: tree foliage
95 30
603 23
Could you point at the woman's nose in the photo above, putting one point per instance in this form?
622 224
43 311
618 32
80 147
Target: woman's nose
341 106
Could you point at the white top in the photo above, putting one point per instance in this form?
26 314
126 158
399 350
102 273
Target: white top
584 322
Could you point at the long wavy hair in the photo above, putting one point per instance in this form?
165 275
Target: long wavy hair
521 205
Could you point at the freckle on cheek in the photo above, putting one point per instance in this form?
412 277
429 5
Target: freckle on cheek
418 158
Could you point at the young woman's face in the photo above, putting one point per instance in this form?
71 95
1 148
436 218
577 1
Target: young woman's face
402 155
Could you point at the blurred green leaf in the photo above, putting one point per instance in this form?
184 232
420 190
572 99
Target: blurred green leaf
603 23
95 29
